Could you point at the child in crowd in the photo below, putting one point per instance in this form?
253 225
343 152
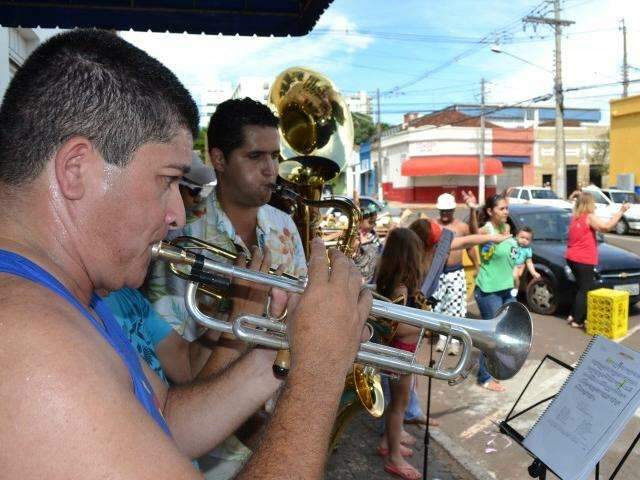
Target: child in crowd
523 256
400 275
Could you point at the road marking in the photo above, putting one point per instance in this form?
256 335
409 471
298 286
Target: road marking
629 333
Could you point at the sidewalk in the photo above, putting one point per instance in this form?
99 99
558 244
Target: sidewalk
467 444
355 457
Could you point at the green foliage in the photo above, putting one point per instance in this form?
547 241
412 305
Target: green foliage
200 142
364 127
599 154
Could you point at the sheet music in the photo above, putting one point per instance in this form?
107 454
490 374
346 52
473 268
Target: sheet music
589 412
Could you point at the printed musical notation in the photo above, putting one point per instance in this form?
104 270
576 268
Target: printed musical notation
590 410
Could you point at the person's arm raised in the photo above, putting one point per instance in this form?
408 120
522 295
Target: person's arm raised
606 226
468 241
325 329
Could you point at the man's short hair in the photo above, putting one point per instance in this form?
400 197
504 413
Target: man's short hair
226 125
88 83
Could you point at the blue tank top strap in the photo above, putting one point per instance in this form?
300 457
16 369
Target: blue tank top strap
110 330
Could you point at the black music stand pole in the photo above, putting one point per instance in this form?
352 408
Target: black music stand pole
537 470
428 414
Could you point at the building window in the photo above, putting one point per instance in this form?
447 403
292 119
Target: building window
547 180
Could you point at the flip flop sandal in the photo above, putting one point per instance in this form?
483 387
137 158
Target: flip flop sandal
488 386
406 473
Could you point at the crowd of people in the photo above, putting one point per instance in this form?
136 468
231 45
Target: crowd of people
109 373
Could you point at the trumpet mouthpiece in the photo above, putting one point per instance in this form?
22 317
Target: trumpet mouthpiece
166 251
156 249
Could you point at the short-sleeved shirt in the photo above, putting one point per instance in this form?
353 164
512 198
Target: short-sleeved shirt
275 230
366 258
523 254
143 327
496 264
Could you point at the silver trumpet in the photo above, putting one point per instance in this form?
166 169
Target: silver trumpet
505 340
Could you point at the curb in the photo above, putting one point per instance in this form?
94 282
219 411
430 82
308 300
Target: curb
459 454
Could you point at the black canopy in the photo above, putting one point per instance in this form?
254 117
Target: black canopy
227 17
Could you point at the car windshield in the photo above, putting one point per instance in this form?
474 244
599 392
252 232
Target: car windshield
544 194
621 197
546 225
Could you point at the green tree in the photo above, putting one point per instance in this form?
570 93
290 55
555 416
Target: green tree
364 127
200 142
599 154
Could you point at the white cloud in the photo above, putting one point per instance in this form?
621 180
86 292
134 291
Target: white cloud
202 61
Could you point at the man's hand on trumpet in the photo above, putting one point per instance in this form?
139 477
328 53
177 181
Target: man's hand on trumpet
251 298
247 298
326 324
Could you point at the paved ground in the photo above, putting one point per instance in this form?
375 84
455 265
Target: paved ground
468 435
355 457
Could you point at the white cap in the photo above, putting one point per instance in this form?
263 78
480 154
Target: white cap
199 173
446 201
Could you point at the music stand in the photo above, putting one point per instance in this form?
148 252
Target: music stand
538 469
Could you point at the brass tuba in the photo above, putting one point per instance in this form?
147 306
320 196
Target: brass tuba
316 139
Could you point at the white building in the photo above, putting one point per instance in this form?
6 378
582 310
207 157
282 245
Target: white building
419 164
352 173
15 46
211 98
253 87
359 103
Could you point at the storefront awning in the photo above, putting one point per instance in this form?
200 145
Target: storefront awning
449 165
229 17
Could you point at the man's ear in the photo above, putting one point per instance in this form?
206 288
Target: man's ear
217 159
72 163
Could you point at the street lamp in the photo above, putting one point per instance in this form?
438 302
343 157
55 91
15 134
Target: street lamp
496 49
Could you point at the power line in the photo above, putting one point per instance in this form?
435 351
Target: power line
493 37
599 85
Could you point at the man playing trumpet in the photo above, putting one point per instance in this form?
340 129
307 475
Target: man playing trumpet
110 132
244 150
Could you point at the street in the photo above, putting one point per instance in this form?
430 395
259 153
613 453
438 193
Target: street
468 413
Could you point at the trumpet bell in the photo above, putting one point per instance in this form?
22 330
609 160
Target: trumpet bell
507 347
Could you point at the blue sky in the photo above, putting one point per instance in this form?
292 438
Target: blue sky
431 49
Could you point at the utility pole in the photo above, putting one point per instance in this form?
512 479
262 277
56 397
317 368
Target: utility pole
557 23
481 178
625 65
378 166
